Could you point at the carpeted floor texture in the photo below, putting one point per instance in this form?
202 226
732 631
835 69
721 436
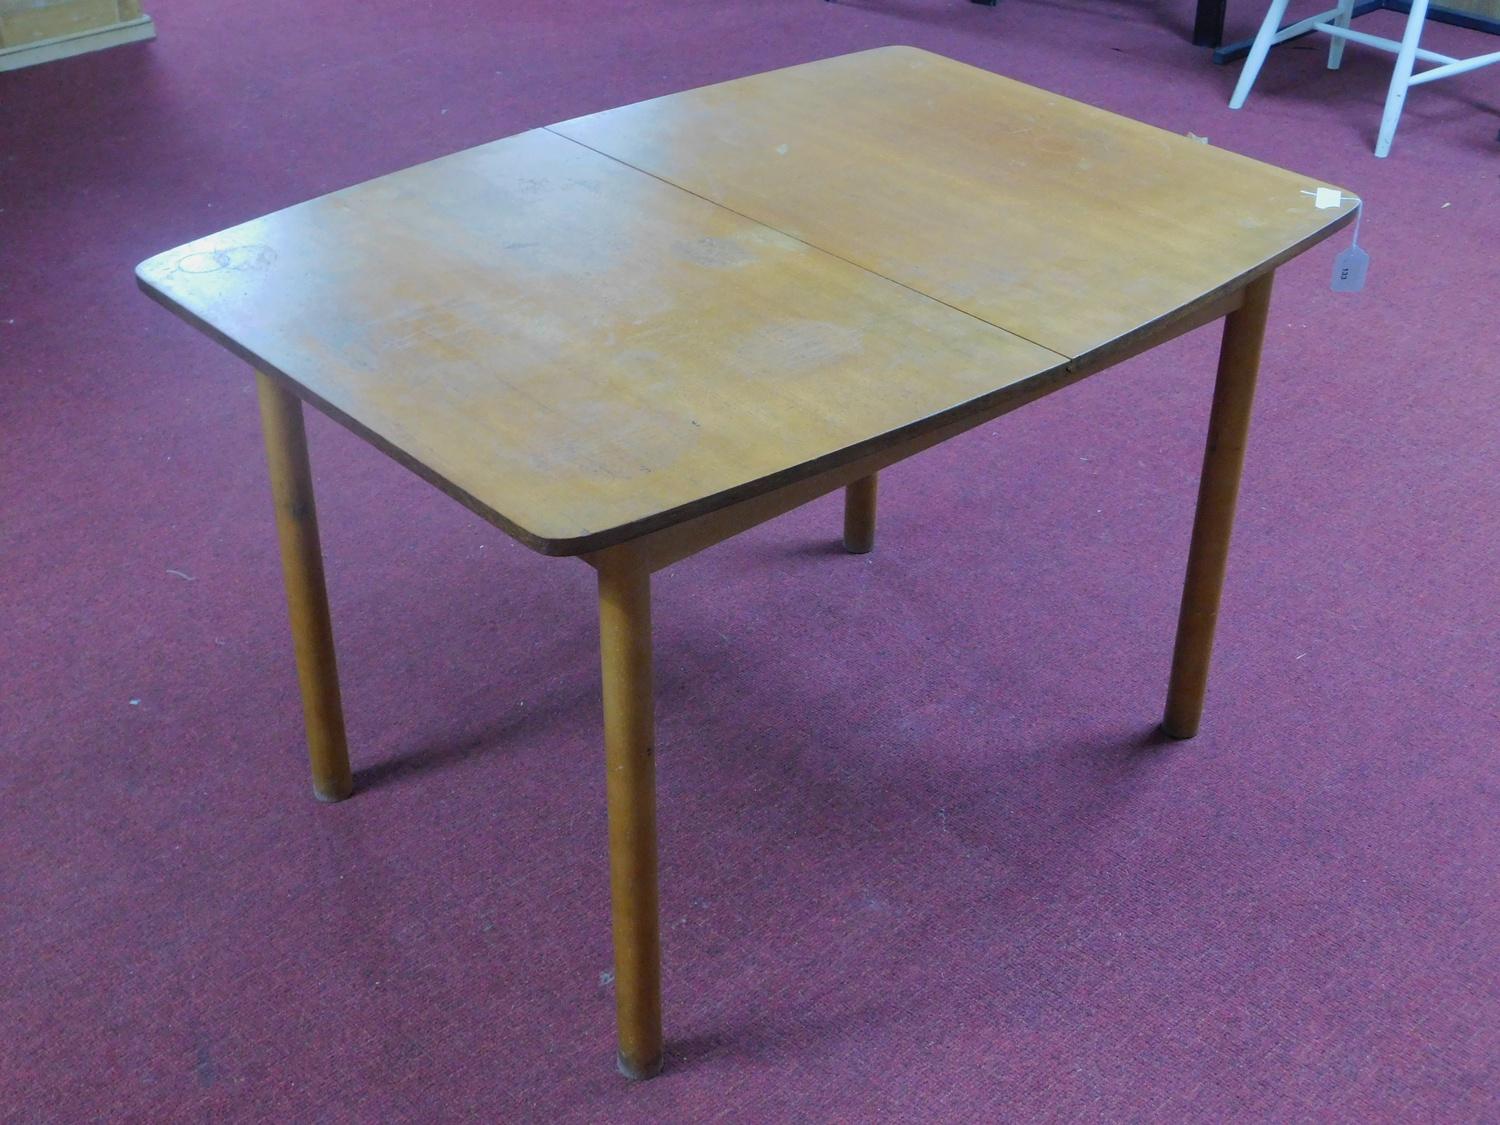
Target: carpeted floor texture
922 857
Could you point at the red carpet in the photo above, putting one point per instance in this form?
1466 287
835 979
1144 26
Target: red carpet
922 858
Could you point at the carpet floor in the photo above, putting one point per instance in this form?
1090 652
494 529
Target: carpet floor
922 857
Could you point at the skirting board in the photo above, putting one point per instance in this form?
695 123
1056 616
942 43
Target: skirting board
79 43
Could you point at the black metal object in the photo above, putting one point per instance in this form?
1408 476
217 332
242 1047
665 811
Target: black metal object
1208 24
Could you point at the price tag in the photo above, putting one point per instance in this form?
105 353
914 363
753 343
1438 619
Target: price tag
1350 267
1349 270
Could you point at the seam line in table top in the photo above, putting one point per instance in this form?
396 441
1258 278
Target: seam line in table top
810 245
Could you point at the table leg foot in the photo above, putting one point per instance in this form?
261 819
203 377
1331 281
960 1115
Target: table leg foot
1182 736
306 589
630 766
333 791
638 1072
1218 490
859 516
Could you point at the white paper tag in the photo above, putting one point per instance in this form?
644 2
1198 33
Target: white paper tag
1349 270
1326 197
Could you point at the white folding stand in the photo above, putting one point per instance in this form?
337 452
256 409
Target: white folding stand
1335 22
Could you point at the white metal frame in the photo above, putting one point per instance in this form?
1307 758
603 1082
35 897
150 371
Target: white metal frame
1335 23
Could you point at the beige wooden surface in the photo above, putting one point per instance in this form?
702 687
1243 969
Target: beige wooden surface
1489 9
574 348
1067 225
584 353
26 21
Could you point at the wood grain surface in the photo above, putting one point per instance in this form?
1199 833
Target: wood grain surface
1065 224
576 350
863 250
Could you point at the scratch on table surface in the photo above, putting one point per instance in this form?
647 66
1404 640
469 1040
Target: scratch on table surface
253 256
181 574
715 253
791 346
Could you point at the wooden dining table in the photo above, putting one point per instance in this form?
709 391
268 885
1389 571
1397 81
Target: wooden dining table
632 335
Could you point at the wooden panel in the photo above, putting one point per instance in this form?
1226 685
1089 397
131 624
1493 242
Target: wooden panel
585 353
28 21
1487 9
1065 224
578 351
681 540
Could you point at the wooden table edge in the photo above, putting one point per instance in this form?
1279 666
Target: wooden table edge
597 541
886 448
680 539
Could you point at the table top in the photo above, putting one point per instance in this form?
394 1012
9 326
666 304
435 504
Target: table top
600 329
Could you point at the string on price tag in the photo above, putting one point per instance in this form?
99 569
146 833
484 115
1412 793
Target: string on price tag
1351 266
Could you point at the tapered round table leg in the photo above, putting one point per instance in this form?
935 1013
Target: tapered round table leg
630 762
859 516
1218 490
306 590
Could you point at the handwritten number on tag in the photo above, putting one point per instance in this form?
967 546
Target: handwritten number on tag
1349 270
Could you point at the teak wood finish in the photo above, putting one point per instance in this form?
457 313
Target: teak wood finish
306 590
631 336
859 515
630 771
1218 490
1067 225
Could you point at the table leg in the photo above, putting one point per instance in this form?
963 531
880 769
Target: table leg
859 516
630 763
1228 425
306 592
